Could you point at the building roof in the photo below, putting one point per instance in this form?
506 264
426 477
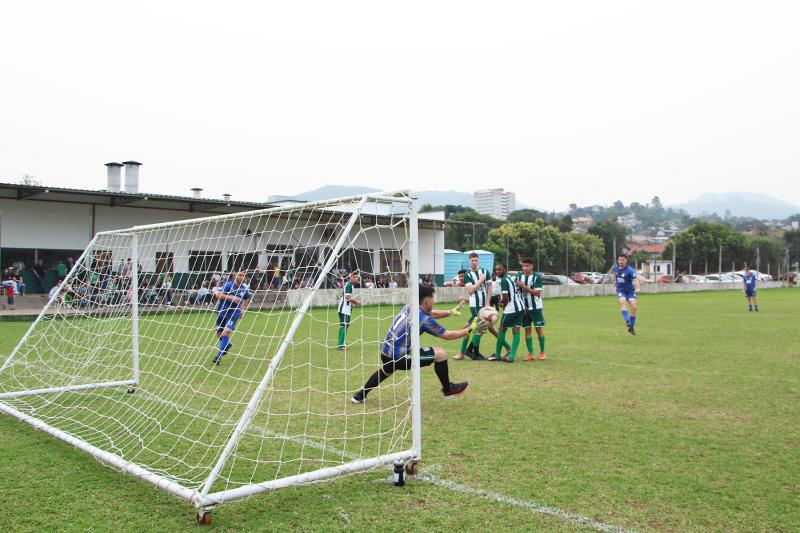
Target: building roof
17 191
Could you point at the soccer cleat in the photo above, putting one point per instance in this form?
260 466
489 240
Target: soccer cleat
358 398
630 329
455 389
507 359
542 357
494 358
474 354
530 357
217 359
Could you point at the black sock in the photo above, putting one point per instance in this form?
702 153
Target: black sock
375 379
440 367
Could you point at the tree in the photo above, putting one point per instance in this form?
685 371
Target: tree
573 207
460 236
565 224
546 245
609 231
700 245
655 203
792 241
619 205
525 215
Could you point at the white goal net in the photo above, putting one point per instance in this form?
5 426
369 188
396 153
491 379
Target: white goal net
121 361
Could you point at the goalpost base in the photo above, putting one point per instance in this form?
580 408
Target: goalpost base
70 388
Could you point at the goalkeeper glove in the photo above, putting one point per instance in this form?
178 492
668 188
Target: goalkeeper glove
457 309
479 326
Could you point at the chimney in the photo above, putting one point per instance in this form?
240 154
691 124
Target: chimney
196 192
131 176
227 197
113 180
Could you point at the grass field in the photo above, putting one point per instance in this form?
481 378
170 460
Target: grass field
692 425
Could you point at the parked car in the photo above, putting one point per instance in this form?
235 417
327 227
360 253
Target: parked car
595 277
556 279
581 278
664 279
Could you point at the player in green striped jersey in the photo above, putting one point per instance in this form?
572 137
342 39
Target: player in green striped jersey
530 285
513 307
346 303
476 280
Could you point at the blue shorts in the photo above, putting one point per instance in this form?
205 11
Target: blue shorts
750 294
628 295
226 320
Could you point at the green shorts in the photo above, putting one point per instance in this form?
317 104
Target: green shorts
533 317
511 320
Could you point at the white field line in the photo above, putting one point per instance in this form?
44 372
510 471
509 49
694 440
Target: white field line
431 478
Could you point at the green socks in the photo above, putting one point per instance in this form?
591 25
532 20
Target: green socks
464 344
529 344
501 342
541 343
514 346
342 331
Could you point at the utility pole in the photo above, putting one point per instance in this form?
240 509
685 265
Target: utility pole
566 241
720 261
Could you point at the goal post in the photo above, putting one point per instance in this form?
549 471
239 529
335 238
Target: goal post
121 362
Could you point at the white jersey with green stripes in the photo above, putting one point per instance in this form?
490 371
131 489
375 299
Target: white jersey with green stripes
477 298
534 281
345 307
515 302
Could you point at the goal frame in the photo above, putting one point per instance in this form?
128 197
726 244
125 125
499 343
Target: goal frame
202 497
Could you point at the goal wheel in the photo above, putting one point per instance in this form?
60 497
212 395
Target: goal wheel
131 390
412 467
204 518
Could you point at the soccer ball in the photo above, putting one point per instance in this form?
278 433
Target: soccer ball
489 314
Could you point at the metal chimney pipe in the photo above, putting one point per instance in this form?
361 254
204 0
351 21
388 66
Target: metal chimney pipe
113 179
131 176
196 192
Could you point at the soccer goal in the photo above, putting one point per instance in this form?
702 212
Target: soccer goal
120 363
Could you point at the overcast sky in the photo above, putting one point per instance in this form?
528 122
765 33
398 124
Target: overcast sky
560 102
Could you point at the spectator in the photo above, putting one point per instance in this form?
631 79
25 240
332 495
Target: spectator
8 285
127 269
38 275
392 283
194 294
70 264
54 291
61 270
20 288
203 294
165 290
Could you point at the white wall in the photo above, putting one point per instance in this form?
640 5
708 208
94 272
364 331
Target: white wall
52 225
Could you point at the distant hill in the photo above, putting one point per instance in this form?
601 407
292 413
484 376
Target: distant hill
740 204
425 197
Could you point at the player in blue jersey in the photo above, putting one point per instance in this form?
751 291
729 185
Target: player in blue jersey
627 290
749 281
234 298
396 348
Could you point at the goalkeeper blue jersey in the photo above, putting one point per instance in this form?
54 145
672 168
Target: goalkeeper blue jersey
398 340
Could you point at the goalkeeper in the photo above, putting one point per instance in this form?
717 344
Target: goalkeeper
396 348
234 298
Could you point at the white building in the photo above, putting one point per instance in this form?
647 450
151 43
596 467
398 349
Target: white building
496 203
51 224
